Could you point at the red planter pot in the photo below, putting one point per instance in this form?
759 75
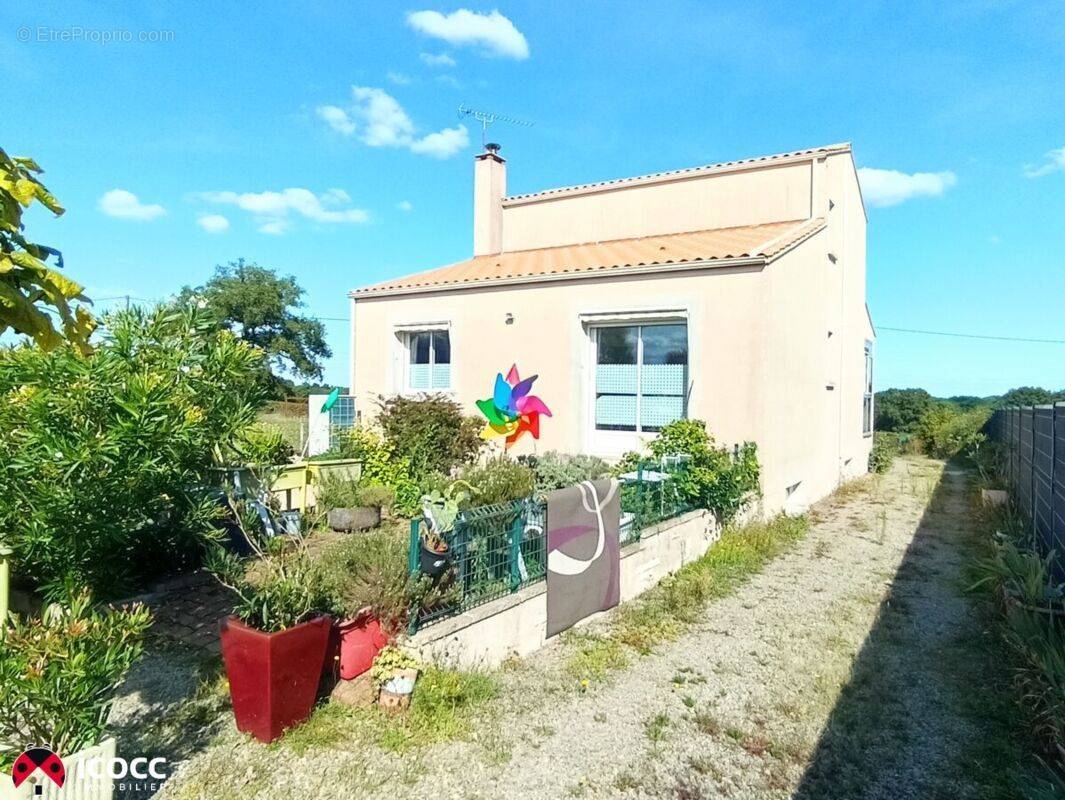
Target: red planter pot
273 677
360 641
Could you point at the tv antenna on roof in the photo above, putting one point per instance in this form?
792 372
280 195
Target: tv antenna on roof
486 118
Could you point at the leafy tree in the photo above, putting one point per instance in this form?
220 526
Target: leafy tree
1026 396
901 410
29 288
107 457
257 304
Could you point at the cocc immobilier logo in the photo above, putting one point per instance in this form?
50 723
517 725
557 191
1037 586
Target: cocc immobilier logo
44 768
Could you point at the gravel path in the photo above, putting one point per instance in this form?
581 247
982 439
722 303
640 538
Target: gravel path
845 669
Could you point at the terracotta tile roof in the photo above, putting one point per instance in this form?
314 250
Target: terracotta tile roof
647 253
689 172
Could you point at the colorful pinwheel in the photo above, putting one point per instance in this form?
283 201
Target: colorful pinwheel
511 411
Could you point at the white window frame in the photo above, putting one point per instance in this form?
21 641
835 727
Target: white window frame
867 390
405 336
611 443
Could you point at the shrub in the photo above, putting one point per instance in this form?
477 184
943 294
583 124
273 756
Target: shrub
381 466
370 570
106 456
885 447
58 675
555 470
712 477
430 433
376 496
335 491
946 432
261 446
279 589
499 480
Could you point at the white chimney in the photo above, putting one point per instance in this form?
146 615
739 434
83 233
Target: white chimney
489 189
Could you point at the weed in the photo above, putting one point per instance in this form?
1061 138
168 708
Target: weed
440 711
688 700
656 727
594 656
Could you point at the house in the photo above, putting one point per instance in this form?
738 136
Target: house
732 293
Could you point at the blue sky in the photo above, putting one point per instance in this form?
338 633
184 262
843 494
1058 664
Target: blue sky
222 109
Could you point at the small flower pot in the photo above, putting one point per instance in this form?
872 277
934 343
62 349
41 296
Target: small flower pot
273 677
361 640
434 563
354 519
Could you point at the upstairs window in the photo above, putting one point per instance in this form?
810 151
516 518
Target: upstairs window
867 396
641 376
429 361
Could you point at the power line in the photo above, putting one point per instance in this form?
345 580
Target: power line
971 335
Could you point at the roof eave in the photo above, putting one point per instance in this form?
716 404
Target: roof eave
600 272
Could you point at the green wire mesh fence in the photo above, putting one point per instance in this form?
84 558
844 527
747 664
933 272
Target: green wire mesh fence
496 550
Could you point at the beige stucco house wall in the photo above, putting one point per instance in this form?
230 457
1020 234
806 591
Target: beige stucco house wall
763 260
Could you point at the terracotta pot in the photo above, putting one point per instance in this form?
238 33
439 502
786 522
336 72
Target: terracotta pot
361 640
273 677
354 519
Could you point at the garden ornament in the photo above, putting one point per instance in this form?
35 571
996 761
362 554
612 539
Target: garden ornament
511 411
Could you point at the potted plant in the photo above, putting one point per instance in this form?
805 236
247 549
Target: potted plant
440 510
365 511
58 677
274 644
394 674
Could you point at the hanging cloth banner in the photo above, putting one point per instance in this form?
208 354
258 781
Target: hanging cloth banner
583 552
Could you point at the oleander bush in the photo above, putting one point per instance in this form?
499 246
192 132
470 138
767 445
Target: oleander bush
108 455
59 673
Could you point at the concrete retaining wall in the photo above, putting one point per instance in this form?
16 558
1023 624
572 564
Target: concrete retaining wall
516 625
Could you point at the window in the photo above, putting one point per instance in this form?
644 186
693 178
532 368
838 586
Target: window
867 397
641 376
341 416
429 364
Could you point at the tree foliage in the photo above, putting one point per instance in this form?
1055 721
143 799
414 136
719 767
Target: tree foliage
261 307
29 288
901 410
107 456
1028 396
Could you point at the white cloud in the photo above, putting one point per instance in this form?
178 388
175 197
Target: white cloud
337 118
213 223
442 60
442 144
398 78
273 211
889 187
449 80
994 239
493 33
120 204
1055 162
378 120
404 205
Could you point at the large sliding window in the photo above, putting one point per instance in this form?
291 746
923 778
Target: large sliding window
641 376
867 396
429 364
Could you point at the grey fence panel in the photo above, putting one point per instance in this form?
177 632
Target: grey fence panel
1043 476
1033 466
